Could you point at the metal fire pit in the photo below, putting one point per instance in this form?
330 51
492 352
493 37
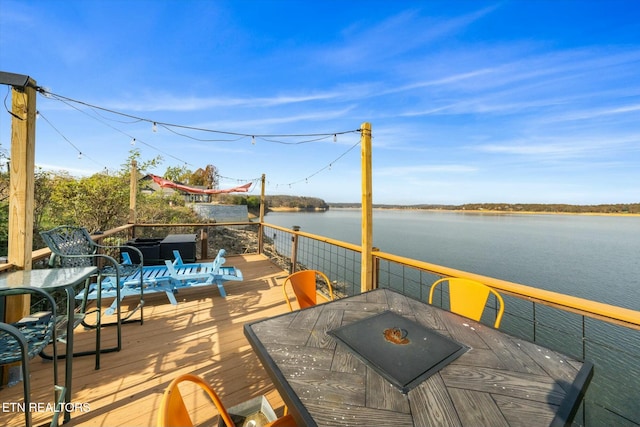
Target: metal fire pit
402 351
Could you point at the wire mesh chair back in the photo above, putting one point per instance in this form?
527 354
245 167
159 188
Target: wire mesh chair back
68 244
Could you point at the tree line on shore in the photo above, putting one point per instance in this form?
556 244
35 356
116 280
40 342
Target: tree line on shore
314 203
614 208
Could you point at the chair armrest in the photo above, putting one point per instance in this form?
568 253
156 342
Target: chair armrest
32 337
120 247
8 354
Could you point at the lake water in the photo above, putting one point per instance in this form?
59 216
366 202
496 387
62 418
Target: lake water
593 257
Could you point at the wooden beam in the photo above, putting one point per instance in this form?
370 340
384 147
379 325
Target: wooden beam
133 191
21 188
23 143
366 267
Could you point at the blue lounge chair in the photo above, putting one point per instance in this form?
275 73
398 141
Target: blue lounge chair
202 274
168 278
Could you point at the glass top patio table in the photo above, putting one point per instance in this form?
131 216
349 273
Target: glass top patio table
50 279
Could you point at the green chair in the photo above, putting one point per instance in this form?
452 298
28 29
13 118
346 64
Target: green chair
23 340
74 247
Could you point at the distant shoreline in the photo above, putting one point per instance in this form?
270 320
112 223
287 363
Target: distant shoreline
284 203
498 212
486 211
288 209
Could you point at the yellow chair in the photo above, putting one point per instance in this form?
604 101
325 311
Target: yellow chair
304 286
468 298
174 413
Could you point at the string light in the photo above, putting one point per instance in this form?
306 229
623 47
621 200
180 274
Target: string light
65 99
325 167
80 155
315 136
120 131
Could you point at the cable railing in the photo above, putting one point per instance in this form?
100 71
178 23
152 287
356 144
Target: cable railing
606 335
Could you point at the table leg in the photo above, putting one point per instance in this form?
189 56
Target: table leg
68 371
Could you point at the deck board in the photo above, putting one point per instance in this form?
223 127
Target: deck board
202 335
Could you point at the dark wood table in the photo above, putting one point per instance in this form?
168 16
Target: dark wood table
499 380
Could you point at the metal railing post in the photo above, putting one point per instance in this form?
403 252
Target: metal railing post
294 249
376 269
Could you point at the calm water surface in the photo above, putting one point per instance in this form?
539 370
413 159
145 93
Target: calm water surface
593 257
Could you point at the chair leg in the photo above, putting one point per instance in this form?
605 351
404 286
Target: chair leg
26 384
99 325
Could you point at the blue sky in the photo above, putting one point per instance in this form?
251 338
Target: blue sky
469 101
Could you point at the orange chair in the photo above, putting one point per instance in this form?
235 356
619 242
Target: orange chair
468 298
174 413
304 286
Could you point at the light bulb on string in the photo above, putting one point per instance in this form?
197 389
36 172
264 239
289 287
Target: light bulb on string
253 140
133 141
154 128
79 155
335 137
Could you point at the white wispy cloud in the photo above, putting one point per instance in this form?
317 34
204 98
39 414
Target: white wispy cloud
574 146
596 113
366 45
424 169
312 115
172 102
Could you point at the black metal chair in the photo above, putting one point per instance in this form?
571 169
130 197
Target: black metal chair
74 247
23 340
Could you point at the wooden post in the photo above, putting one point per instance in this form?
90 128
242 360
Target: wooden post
260 229
366 267
204 243
21 179
133 191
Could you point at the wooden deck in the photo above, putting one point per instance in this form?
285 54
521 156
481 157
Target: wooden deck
201 335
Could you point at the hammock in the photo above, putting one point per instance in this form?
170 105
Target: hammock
165 183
